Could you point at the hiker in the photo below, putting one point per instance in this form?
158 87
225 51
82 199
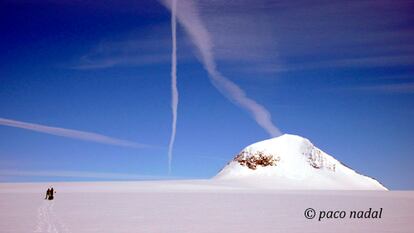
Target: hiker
47 194
51 192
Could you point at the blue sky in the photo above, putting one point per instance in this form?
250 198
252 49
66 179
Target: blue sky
86 89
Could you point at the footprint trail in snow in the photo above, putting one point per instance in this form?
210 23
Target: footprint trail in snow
48 221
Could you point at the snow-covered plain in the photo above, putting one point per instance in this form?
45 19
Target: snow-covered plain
194 206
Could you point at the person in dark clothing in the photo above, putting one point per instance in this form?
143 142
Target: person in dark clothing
51 194
47 194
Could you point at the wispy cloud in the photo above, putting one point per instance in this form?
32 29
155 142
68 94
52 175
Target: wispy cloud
400 88
174 90
188 16
345 63
79 174
337 34
375 61
132 50
125 52
71 133
88 63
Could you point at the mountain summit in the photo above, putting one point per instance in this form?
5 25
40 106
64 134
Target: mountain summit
293 162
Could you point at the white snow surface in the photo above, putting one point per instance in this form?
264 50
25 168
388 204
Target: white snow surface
194 206
299 165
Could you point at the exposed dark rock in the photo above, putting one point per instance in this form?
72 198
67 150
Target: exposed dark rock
257 159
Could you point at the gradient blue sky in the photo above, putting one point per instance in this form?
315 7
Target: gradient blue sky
339 73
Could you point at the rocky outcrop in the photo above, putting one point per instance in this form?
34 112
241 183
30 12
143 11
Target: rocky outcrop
256 159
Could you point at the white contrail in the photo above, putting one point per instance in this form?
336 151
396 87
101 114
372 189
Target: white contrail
70 133
174 90
188 16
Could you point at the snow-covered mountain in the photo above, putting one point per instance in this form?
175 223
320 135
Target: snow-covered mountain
293 162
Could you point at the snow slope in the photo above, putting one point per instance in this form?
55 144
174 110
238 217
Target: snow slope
293 162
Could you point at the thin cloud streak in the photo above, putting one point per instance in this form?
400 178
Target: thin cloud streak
129 51
174 90
79 174
121 60
70 133
188 16
346 63
400 88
